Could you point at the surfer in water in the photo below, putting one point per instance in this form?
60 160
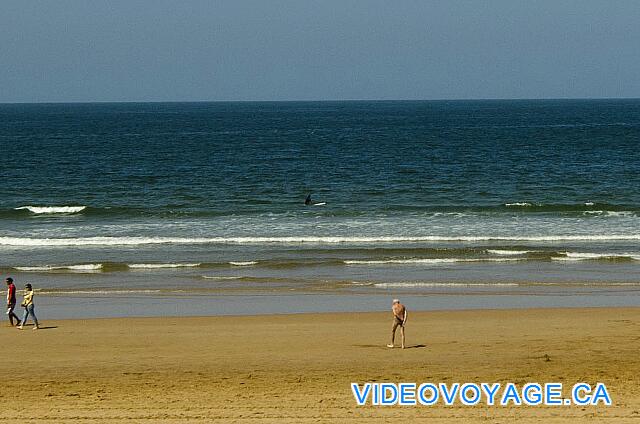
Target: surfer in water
309 202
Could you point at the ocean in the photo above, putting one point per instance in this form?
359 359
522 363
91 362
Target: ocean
120 209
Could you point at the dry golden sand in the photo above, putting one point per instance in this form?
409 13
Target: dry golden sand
297 368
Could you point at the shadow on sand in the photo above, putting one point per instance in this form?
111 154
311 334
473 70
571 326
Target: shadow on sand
42 327
375 346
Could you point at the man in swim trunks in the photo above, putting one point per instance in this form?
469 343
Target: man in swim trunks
399 320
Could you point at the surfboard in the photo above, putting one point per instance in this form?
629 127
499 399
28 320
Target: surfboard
320 204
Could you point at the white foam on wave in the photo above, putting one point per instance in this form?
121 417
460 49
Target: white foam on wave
220 277
518 204
361 283
620 213
52 209
424 284
610 213
79 268
403 261
33 268
572 256
136 241
430 261
245 263
508 252
158 266
577 256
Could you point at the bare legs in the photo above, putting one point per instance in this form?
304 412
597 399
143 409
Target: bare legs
393 334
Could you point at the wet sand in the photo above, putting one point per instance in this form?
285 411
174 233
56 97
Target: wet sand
298 368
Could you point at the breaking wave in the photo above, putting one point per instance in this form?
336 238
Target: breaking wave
135 241
158 266
508 252
44 268
52 209
575 256
427 261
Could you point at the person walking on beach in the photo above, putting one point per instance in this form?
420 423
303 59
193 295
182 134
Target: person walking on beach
27 303
399 320
11 301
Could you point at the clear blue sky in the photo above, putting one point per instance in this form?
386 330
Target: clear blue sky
155 50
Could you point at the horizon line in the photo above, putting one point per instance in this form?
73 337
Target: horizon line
479 99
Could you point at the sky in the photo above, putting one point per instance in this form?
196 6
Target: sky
156 50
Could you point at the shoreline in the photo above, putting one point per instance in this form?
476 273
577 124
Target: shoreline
330 313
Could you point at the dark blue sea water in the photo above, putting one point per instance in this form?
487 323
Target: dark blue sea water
527 198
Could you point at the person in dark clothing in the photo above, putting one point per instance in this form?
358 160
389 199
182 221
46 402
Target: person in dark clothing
11 301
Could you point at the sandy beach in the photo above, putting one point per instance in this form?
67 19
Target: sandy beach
298 368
